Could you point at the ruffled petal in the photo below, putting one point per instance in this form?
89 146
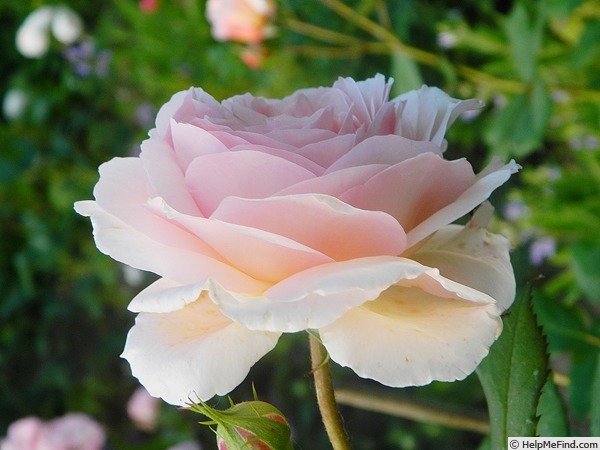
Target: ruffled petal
474 257
492 177
366 96
416 332
166 295
261 254
184 265
415 189
248 174
427 113
316 297
320 222
388 150
193 353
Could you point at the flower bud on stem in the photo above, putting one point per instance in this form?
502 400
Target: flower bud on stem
326 398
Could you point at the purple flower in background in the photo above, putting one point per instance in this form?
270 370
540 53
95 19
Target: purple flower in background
542 249
86 60
515 210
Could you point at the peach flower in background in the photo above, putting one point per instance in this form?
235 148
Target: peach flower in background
330 210
244 21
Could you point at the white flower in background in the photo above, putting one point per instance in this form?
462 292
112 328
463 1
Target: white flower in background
14 104
33 36
66 25
446 39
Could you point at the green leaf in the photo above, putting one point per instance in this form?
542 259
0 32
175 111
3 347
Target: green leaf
513 374
595 402
518 129
524 37
551 412
585 262
406 74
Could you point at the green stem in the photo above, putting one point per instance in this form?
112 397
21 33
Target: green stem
326 398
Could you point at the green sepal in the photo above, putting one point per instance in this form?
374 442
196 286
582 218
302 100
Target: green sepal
248 425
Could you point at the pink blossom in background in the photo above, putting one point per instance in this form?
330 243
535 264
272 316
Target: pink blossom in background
23 434
142 409
244 21
330 209
72 431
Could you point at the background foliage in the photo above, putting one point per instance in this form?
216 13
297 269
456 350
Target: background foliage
62 304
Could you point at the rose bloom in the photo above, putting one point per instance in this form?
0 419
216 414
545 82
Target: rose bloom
240 20
73 431
327 210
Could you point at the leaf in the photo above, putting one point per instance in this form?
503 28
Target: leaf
513 374
585 263
523 41
595 402
518 129
406 74
551 412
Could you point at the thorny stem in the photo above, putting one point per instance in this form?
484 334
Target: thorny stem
326 398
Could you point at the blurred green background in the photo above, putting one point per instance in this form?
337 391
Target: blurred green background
63 317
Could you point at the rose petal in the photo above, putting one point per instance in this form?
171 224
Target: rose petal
414 189
260 254
166 295
189 142
416 332
335 183
366 96
320 222
128 245
388 150
427 113
193 353
166 177
474 257
318 296
123 191
248 174
292 157
485 183
328 151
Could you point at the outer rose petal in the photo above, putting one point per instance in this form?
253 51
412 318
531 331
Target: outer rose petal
193 353
408 191
128 245
490 178
415 333
474 257
316 297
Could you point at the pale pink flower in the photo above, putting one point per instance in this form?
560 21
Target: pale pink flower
240 20
142 409
330 210
72 431
23 434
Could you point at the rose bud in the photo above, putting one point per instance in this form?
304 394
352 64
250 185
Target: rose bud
252 425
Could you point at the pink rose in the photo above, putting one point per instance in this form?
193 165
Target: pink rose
240 20
327 210
73 431
22 434
142 408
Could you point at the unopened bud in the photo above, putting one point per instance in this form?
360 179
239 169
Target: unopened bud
253 425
